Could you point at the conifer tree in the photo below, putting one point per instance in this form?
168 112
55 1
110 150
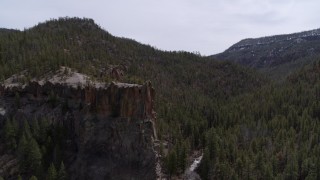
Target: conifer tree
43 127
239 167
26 129
52 172
172 162
35 128
22 152
267 172
205 165
62 174
33 155
17 100
291 170
33 178
312 174
10 134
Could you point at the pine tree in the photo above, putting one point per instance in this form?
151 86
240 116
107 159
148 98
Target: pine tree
312 174
205 165
267 172
57 154
212 145
183 157
43 128
52 99
33 178
291 170
26 129
19 177
35 128
9 134
62 174
239 167
22 152
247 169
15 126
259 161
33 155
305 168
52 172
172 162
17 100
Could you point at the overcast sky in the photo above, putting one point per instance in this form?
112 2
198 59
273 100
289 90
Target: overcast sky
207 26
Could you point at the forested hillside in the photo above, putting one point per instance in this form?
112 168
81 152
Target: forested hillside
274 135
247 126
189 89
278 55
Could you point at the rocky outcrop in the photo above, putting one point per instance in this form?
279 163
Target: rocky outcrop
110 126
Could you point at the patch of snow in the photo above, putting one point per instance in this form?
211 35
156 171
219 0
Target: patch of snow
195 163
299 40
190 174
2 111
125 85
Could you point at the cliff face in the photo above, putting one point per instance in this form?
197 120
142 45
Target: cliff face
110 126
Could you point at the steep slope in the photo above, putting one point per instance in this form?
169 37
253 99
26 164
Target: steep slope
99 131
279 54
274 133
83 45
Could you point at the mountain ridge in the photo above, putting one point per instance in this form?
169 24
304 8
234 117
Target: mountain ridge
278 54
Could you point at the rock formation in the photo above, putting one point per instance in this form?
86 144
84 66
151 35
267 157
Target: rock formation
110 126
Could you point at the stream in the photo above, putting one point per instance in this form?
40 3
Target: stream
2 111
190 174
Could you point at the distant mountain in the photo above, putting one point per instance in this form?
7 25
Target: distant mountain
280 54
4 30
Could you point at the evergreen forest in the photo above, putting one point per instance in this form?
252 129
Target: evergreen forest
247 125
